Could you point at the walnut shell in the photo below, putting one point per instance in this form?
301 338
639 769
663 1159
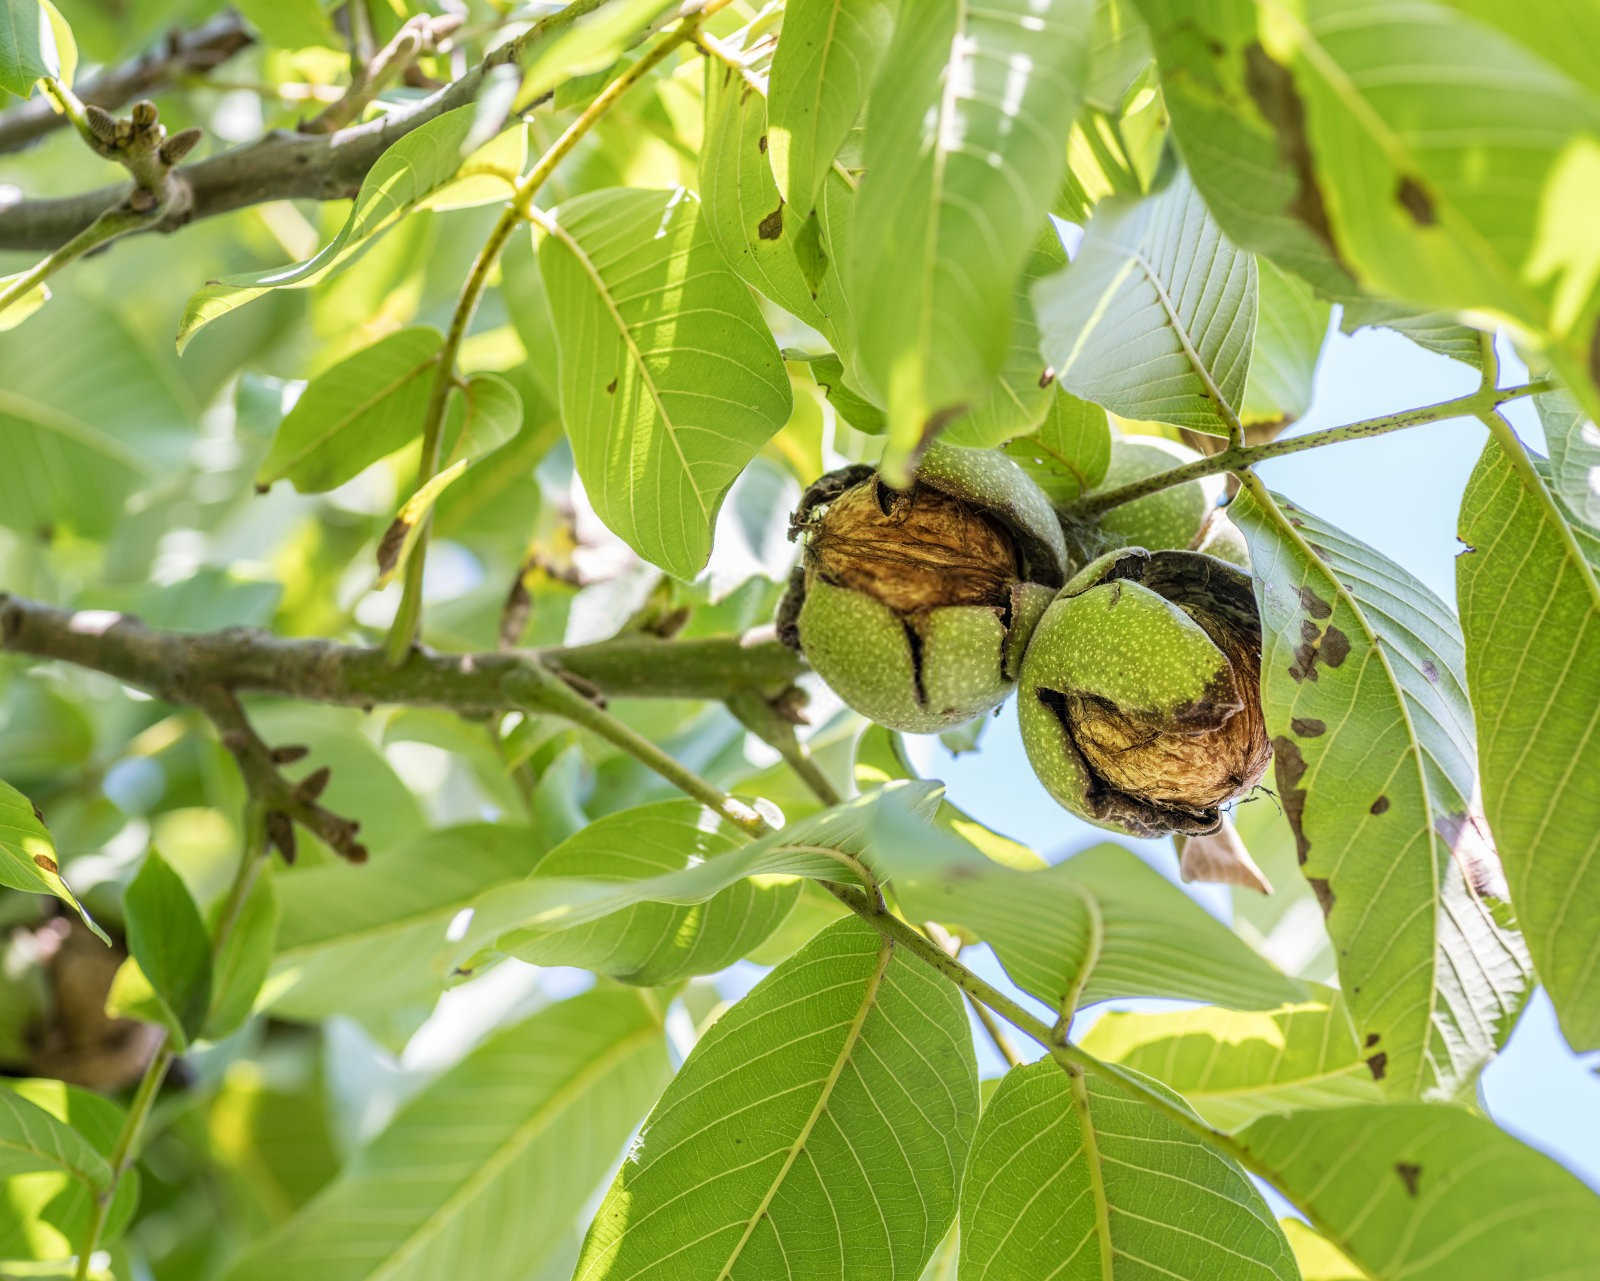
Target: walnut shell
915 606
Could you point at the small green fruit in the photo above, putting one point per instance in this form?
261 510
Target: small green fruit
1140 700
915 606
1170 518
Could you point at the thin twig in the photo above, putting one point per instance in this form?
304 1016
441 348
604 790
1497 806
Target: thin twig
102 231
1237 458
539 689
772 720
419 35
284 803
408 614
282 165
181 55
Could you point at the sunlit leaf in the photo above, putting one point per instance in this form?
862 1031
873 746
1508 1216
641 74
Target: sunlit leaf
826 58
650 321
1070 1175
1289 333
963 154
1361 683
1419 1192
169 941
365 407
417 171
823 1119
476 1173
1155 317
1530 613
28 859
1097 926
1233 1066
27 46
653 943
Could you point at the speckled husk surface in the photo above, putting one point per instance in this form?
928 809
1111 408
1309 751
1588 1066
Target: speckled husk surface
1140 705
1168 519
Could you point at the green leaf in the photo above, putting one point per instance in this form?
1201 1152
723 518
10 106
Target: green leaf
1435 331
476 1174
1422 1192
244 960
963 152
1373 749
62 471
1155 317
1069 453
27 46
589 45
28 859
33 1140
758 232
1233 118
418 171
1071 1177
650 319
169 941
358 939
1440 159
828 371
824 1118
291 24
1319 1259
45 1214
1233 1067
828 845
1573 440
14 313
654 943
364 408
483 414
1119 56
1530 613
1289 333
1099 925
827 55
1021 394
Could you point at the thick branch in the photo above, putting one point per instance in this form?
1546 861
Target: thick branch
280 166
180 54
182 668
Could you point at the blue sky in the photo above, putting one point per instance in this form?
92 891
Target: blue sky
1398 493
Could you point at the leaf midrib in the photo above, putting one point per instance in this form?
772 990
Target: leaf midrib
516 1143
868 1004
603 292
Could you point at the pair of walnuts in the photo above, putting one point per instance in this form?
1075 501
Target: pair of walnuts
1138 677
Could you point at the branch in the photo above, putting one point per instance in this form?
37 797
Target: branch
418 35
280 166
181 667
1238 457
181 54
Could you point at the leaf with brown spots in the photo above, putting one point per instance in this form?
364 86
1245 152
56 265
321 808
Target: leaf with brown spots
1429 1193
1423 956
28 859
787 252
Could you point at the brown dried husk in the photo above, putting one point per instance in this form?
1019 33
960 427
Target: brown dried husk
913 551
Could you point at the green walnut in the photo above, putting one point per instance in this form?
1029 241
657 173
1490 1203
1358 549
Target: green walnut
1140 699
1169 518
916 605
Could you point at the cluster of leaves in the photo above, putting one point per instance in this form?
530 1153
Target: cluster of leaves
825 230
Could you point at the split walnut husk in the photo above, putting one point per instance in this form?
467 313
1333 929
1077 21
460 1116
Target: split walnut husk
1141 705
915 605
